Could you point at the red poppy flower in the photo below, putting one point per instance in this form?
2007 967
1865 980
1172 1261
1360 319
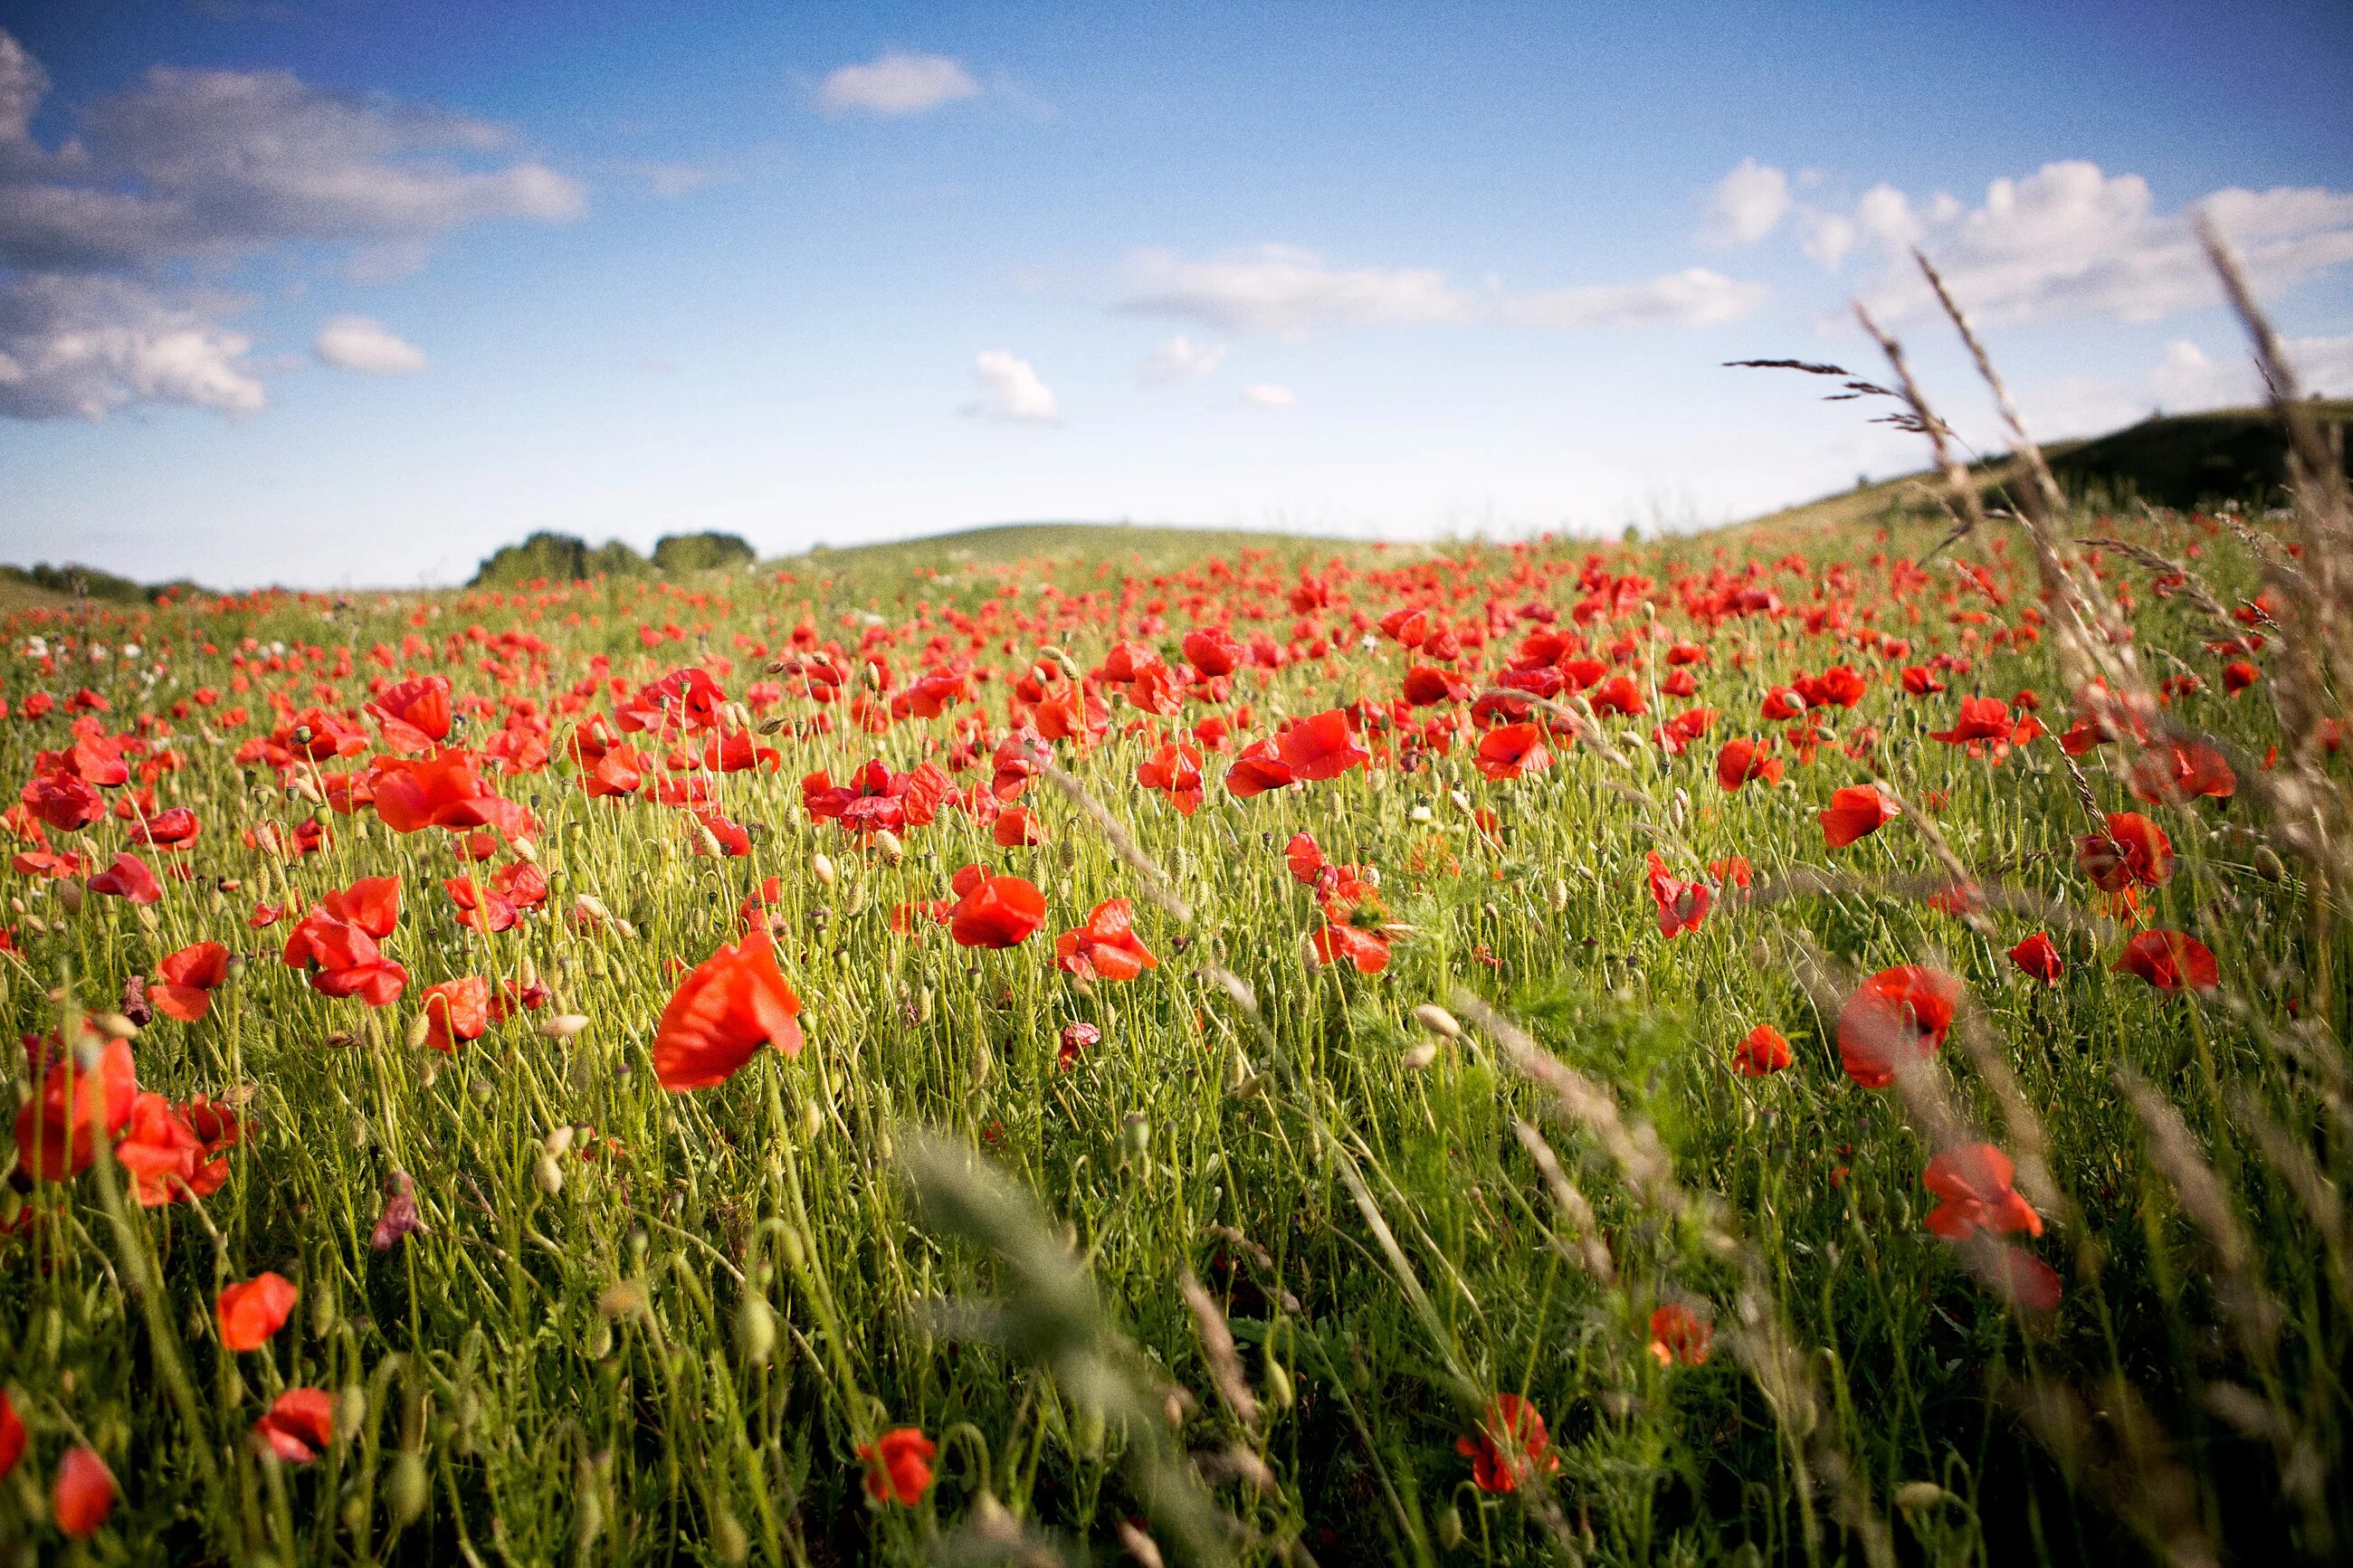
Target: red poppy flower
2238 675
1259 767
174 830
1982 718
1214 650
1744 762
995 911
53 1128
444 790
1679 1336
1506 752
168 1162
1304 857
2023 1279
1106 947
62 800
186 979
2171 961
2038 959
1426 686
299 1425
414 715
899 1466
2174 773
1339 943
456 1010
1973 1180
1681 905
1320 747
2133 851
726 1007
84 1495
12 1435
1856 812
1782 703
1512 1445
1764 1051
252 1313
128 878
1175 770
1016 829
1898 1014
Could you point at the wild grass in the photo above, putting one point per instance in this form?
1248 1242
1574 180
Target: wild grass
1231 1285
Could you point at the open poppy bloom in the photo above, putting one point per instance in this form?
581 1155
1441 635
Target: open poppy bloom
53 1128
1510 1446
2173 773
1982 718
252 1313
2171 961
1681 905
62 800
2038 959
1175 770
168 1160
994 911
1015 828
1898 1015
128 878
1340 942
1764 1051
1258 768
1744 762
1506 752
299 1425
1856 812
444 790
336 941
184 981
1974 1180
1320 747
174 830
1304 858
1679 1336
414 715
1106 947
456 1010
726 1007
899 1466
2133 852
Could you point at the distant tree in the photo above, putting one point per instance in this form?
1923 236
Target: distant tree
556 557
78 580
678 553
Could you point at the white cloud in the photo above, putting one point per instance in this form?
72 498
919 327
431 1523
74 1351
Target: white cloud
355 343
77 347
1747 204
1266 396
1829 237
896 84
1693 297
1284 291
1180 359
197 167
2072 240
1011 392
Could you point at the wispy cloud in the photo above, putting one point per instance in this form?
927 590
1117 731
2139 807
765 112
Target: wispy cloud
895 84
356 343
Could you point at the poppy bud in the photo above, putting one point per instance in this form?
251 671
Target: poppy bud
821 865
1437 1021
114 1026
1278 1384
1419 814
887 844
550 1175
727 1535
526 848
1449 1528
770 726
755 1329
420 1029
407 1490
1420 1056
70 894
560 1140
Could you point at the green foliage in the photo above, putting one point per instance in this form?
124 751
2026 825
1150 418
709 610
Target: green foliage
677 554
77 582
2190 460
555 558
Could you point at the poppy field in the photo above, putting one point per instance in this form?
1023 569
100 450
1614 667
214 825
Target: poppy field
1789 1045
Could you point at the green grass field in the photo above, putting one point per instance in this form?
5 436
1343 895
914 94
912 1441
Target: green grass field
1248 1256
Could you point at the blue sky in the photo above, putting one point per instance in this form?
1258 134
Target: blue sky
350 294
